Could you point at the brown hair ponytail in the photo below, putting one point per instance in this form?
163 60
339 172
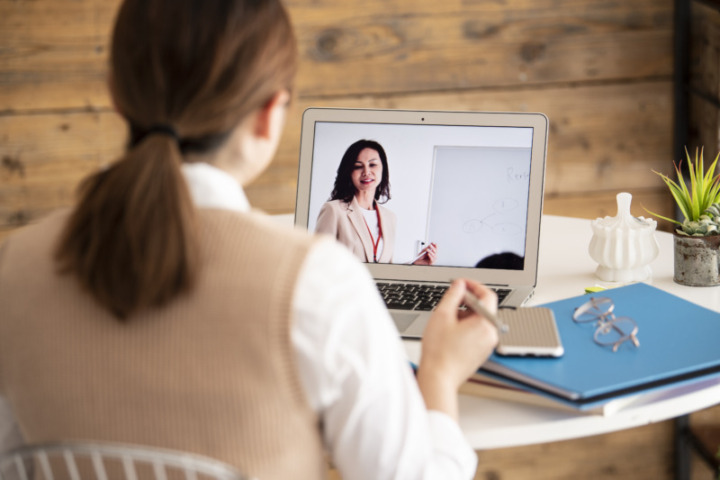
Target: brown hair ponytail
196 68
131 240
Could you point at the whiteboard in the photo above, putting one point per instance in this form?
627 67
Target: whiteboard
479 203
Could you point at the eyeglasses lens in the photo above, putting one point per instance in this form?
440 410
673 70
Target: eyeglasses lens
596 309
616 331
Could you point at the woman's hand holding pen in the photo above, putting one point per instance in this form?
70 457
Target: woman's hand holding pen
427 255
454 345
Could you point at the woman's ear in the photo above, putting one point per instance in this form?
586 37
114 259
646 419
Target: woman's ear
253 143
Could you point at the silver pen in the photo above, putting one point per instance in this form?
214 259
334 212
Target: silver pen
476 305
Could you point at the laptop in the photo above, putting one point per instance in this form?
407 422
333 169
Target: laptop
469 183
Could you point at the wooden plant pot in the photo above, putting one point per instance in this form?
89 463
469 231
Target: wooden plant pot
697 260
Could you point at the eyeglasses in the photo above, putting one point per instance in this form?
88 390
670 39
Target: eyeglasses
611 330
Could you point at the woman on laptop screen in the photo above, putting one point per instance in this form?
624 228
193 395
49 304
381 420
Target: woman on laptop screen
172 315
354 215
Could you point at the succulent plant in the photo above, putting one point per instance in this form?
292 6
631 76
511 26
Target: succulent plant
699 203
707 224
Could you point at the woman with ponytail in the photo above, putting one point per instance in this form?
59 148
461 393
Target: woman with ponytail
162 311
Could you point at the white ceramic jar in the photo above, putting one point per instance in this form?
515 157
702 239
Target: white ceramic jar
623 246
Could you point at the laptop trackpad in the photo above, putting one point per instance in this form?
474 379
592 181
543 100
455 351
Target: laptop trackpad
410 324
403 319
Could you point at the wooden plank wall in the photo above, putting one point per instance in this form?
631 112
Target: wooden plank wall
601 70
703 95
704 79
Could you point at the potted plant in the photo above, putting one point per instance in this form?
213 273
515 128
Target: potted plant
697 237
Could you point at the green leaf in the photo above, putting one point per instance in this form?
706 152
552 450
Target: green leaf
679 192
693 195
664 218
713 182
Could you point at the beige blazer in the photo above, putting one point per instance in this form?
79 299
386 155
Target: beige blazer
345 222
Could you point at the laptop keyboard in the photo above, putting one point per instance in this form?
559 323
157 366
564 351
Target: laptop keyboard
414 296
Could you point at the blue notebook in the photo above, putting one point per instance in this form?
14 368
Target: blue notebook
679 342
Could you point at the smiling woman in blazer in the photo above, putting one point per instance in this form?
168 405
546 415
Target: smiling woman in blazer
354 214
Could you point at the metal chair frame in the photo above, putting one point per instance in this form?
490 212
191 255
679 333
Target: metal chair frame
18 464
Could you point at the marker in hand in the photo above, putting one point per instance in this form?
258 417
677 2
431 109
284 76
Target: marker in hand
476 306
422 253
418 256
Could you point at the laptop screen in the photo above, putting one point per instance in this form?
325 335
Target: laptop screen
463 189
469 186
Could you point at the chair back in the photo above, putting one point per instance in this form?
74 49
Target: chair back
100 461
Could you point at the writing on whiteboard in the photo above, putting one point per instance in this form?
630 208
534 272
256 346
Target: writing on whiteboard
515 176
479 202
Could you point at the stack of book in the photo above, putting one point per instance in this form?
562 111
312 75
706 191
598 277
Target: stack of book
679 348
482 385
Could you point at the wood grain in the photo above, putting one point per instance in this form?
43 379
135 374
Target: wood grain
59 59
615 148
601 204
641 453
604 138
44 157
54 53
704 94
411 47
704 127
705 49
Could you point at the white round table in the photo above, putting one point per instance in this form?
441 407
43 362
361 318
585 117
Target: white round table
565 269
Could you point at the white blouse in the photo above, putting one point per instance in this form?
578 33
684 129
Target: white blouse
371 220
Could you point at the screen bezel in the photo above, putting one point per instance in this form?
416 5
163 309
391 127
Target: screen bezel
537 121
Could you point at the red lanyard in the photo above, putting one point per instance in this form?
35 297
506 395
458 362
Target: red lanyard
375 243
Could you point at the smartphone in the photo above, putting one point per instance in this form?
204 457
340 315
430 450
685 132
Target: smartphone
531 331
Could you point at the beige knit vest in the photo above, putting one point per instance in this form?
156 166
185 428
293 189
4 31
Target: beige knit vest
212 373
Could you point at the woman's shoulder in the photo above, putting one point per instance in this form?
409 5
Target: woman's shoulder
226 230
42 232
30 250
334 206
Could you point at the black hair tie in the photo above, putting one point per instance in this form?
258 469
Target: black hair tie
203 144
163 129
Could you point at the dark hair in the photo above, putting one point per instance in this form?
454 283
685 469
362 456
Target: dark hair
504 260
344 189
184 74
